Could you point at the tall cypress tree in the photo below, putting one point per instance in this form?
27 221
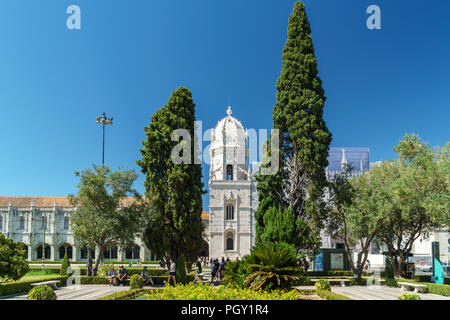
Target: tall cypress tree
174 191
304 138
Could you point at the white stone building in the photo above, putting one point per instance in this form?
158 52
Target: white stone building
232 191
30 220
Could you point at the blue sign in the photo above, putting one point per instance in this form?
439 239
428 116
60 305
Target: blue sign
318 262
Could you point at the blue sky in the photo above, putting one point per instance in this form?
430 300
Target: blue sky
130 55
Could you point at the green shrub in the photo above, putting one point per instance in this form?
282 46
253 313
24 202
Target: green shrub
328 295
136 282
359 282
439 289
65 264
104 268
181 270
275 266
131 271
205 291
409 296
22 286
323 284
388 269
391 282
13 263
126 295
41 293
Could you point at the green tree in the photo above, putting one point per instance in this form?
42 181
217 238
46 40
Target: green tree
105 216
354 216
173 179
64 265
304 139
13 264
413 197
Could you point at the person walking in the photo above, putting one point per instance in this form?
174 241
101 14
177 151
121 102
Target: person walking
172 272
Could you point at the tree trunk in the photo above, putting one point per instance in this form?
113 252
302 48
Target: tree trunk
89 264
97 261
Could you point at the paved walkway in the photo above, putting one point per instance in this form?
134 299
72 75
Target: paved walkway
375 293
84 292
380 293
92 292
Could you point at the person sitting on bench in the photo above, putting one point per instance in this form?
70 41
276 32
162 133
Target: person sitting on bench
122 276
112 274
145 277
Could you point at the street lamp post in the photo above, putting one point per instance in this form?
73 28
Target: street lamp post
103 120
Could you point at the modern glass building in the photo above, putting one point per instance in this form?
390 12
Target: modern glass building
357 158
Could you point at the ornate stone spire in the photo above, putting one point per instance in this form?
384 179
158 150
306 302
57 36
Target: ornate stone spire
229 112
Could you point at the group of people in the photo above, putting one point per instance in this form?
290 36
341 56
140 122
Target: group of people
118 278
218 268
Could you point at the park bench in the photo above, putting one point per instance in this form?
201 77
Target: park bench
342 281
417 287
51 284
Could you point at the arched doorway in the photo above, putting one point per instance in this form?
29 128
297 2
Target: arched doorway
65 247
46 252
84 253
110 253
133 253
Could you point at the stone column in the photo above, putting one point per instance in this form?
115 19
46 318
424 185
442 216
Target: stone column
74 253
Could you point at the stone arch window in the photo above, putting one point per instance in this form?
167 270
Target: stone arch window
229 212
22 223
66 223
84 253
46 251
230 241
229 172
65 247
133 252
110 253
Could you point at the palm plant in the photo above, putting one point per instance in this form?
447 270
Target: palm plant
275 267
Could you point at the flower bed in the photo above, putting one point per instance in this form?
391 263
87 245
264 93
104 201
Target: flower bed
204 291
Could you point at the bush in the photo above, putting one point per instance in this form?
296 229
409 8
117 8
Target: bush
409 296
391 282
275 266
181 270
388 269
126 295
205 291
65 264
322 284
359 281
103 269
13 263
21 286
41 293
136 282
328 295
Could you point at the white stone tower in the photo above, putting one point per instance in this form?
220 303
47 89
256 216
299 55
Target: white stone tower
231 224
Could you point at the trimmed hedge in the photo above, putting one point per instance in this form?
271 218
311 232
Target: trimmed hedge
439 289
21 286
131 271
306 281
84 262
126 295
329 295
